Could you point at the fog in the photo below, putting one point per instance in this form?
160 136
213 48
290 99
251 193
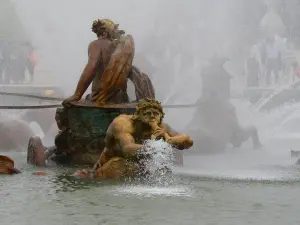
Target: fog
177 36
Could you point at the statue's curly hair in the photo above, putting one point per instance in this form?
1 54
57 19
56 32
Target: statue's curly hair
101 26
149 103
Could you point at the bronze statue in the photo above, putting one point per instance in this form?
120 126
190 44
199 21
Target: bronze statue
90 130
7 166
109 66
215 122
83 124
125 137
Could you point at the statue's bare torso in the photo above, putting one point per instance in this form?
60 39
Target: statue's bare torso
104 49
122 127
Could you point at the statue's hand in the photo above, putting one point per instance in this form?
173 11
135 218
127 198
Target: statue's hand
73 98
83 174
161 132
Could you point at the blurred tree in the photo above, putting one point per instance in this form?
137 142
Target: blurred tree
251 13
10 24
289 10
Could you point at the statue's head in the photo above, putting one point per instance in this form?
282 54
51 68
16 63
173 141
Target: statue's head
105 28
116 32
149 111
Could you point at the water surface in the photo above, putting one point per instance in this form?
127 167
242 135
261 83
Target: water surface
198 194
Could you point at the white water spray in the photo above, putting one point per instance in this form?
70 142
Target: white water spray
177 37
158 180
158 160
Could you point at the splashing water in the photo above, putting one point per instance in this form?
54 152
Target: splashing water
146 191
157 159
156 179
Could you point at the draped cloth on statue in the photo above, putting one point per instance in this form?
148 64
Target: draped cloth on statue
142 84
113 81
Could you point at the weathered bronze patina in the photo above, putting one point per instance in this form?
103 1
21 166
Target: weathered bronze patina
82 132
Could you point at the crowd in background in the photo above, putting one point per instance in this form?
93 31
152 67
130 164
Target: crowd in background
15 58
272 61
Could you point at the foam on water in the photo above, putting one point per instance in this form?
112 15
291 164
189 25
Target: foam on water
148 191
156 181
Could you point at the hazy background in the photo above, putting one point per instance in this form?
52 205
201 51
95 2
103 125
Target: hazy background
177 36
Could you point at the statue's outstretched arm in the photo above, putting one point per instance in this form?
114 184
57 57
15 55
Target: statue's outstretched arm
89 71
180 141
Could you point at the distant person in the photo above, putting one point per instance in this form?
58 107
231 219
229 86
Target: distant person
4 61
1 60
17 64
296 71
271 50
253 67
289 62
18 57
31 59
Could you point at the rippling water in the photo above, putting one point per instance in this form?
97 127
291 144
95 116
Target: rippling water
212 190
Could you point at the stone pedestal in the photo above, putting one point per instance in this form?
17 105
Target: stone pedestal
83 130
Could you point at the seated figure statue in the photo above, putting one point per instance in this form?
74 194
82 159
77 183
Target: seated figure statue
124 141
109 66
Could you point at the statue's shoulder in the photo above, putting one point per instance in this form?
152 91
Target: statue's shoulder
122 121
93 43
100 43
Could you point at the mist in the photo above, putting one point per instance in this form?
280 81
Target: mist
243 167
177 36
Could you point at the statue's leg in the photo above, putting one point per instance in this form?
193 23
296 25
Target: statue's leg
252 132
244 134
36 152
115 168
